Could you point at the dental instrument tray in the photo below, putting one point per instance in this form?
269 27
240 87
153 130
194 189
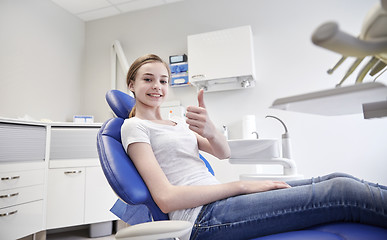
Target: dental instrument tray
337 101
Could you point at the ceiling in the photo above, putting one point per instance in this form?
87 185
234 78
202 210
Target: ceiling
88 10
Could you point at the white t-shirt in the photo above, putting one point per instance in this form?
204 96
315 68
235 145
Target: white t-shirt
176 150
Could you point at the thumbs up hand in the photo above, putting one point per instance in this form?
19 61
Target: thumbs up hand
198 120
209 139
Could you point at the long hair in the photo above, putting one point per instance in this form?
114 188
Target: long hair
131 76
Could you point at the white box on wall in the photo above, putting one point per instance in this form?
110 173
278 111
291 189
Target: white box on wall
222 60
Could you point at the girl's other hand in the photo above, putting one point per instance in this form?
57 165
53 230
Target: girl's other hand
262 186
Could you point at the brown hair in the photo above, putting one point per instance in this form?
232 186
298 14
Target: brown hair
139 62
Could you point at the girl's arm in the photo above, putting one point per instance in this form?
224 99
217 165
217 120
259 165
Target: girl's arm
170 198
209 138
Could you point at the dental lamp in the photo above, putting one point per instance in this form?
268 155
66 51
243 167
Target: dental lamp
372 41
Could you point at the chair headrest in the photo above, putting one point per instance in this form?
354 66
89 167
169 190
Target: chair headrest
120 102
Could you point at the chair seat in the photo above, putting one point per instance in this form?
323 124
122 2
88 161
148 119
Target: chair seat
333 231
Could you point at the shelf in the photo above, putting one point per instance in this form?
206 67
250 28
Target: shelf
337 101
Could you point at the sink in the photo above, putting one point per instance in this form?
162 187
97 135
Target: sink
251 150
262 152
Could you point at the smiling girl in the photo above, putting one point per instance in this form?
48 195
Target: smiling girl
166 154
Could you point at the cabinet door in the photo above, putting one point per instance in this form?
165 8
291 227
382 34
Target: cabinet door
65 197
99 197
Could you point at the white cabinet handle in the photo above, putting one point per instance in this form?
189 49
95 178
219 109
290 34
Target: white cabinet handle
72 172
8 213
10 178
199 76
9 195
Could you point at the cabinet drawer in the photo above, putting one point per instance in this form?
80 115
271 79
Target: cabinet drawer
10 180
20 142
20 195
22 220
73 143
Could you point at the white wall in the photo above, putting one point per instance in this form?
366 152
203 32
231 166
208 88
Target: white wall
287 63
41 60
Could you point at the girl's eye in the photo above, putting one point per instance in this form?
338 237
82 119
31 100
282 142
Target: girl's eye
164 81
147 79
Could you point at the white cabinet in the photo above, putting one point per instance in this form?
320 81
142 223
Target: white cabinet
78 192
222 60
22 178
50 177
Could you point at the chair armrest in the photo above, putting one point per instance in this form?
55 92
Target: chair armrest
155 230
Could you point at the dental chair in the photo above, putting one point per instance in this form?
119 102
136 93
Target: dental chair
131 189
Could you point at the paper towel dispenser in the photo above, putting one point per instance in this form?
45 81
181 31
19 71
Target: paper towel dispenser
222 60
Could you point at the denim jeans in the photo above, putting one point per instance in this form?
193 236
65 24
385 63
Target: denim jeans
333 198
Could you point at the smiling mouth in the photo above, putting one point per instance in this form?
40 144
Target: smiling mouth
154 95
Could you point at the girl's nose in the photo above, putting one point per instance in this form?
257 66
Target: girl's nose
156 85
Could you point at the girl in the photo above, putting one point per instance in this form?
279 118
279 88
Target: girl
166 154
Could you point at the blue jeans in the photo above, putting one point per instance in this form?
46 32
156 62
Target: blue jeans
333 198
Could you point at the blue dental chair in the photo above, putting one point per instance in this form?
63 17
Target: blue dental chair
131 189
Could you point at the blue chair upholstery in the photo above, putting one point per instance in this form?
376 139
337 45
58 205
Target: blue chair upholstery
333 231
120 102
129 186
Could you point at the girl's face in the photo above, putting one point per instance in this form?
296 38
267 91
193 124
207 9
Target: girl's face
151 84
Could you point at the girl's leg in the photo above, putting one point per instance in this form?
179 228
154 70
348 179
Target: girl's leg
295 183
328 199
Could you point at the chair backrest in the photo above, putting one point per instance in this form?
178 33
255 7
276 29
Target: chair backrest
120 171
117 166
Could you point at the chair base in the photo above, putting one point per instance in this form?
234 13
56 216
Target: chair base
155 230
